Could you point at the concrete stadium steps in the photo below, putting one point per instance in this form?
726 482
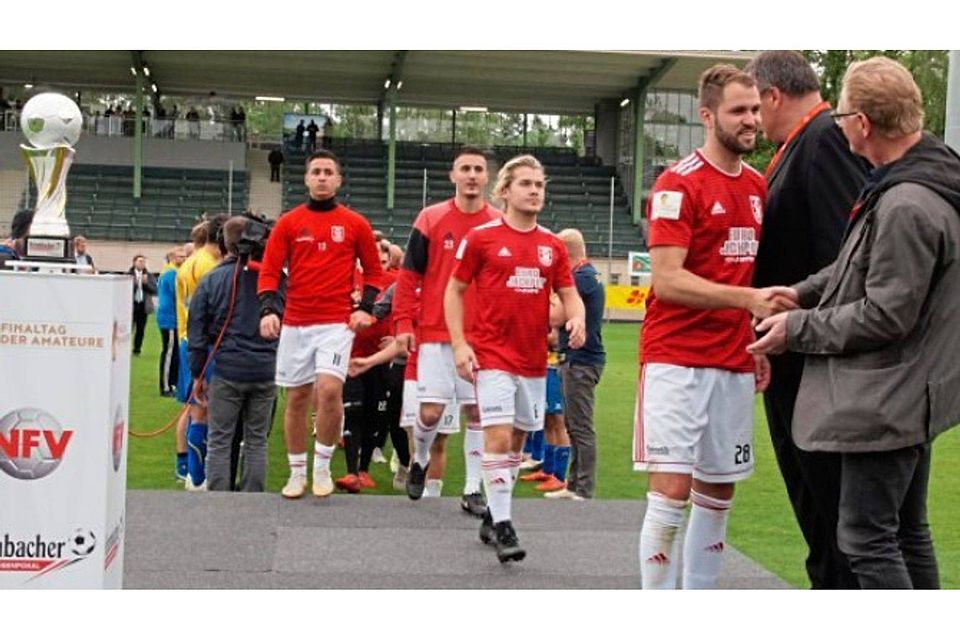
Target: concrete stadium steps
578 193
100 202
13 184
265 197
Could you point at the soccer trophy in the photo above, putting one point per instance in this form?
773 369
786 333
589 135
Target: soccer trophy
51 122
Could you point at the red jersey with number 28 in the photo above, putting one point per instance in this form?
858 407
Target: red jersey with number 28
717 217
514 271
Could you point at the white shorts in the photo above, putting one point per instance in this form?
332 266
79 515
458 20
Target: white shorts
437 379
696 421
304 352
505 398
449 422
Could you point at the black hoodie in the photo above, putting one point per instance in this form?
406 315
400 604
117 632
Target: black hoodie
930 163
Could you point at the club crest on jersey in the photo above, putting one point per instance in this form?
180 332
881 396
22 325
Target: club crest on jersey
545 254
756 205
336 233
448 241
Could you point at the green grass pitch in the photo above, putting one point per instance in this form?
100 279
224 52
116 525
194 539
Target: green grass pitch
761 524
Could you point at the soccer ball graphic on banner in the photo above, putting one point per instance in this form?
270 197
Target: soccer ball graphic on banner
32 443
82 542
51 119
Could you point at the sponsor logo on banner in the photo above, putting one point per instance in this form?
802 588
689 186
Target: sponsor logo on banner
545 254
37 556
32 443
50 335
336 233
526 280
112 545
119 428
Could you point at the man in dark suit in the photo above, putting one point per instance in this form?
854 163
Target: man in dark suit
144 288
812 182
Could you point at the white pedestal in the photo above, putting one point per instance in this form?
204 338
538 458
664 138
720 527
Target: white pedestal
64 404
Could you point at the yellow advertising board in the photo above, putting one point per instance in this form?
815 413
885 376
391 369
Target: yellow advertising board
630 298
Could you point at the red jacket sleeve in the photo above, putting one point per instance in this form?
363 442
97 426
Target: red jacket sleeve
406 309
274 256
369 256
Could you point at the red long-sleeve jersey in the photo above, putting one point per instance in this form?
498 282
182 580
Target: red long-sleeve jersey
428 263
320 249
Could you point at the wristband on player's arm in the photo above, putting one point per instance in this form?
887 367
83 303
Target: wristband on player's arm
270 304
366 300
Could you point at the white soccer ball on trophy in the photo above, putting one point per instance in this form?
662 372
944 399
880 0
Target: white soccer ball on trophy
51 119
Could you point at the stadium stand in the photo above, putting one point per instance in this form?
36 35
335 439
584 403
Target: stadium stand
578 194
100 204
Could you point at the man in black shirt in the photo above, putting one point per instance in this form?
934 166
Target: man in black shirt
812 182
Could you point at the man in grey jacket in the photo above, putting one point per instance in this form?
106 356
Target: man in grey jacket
880 328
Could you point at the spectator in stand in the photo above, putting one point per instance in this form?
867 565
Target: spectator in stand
298 136
327 139
312 130
167 321
275 159
144 288
4 108
241 124
193 123
81 255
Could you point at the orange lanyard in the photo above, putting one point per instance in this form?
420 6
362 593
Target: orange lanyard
813 113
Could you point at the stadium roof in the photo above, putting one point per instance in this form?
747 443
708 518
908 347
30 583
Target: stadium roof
563 81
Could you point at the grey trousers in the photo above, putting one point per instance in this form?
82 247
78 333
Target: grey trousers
883 526
230 404
579 383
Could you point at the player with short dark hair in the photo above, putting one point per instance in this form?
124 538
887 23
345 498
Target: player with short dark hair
428 263
320 241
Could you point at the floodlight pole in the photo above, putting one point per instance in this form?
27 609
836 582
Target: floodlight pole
138 138
424 188
392 147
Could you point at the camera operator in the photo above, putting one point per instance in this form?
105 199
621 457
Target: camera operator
242 389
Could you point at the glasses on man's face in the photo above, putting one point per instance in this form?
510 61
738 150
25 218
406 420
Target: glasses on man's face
837 116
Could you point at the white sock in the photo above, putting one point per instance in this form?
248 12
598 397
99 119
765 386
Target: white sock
516 458
660 542
472 457
298 464
423 437
705 541
498 482
432 488
322 454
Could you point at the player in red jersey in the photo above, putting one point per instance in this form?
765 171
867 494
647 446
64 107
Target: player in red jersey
515 264
428 263
320 242
694 417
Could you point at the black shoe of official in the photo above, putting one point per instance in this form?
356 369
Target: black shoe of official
416 479
486 528
474 504
508 546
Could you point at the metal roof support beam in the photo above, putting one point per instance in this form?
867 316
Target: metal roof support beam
639 114
138 127
390 97
392 147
